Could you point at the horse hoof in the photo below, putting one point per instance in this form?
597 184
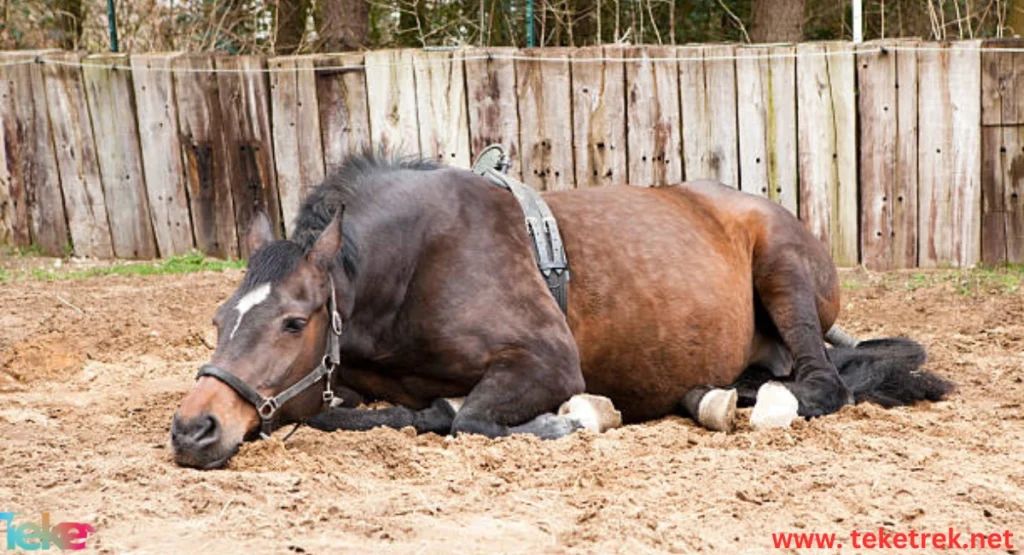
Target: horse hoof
594 412
717 410
776 407
455 403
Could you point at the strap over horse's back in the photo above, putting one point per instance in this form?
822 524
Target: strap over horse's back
548 249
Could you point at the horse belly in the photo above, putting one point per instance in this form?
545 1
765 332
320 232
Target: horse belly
660 298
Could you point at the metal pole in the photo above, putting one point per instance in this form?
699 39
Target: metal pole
112 25
858 21
529 23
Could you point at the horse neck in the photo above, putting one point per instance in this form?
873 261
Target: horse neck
389 242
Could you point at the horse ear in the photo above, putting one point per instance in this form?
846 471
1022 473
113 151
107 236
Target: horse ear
260 232
329 243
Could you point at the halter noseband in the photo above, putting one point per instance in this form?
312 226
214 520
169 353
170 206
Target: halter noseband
267 407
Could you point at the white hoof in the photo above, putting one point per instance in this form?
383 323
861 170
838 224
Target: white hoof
717 410
776 407
593 412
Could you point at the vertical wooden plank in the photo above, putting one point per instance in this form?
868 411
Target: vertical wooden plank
905 182
202 141
441 107
115 132
1002 214
996 84
344 118
6 107
599 116
38 215
544 90
878 109
493 105
718 146
652 113
76 156
1013 171
14 226
244 94
693 112
950 160
158 135
391 96
827 144
298 151
766 108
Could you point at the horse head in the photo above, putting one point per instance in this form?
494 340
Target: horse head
273 359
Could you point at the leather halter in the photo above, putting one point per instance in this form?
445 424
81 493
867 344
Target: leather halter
267 407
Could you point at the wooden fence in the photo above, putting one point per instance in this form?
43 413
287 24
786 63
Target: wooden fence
896 154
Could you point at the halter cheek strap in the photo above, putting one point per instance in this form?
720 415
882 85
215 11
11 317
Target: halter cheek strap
267 407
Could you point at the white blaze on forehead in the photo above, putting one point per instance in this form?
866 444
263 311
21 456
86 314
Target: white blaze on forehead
245 304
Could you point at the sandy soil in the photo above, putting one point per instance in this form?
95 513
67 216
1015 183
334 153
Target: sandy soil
92 370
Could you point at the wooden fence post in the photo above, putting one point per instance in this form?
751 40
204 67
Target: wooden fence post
599 116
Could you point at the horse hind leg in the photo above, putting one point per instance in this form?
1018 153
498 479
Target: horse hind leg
800 294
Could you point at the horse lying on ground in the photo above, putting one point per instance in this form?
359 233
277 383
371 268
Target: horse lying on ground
416 284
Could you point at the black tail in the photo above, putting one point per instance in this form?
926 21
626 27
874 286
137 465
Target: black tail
888 372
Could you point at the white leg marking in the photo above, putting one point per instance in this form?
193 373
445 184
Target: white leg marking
455 402
776 407
717 410
594 412
245 304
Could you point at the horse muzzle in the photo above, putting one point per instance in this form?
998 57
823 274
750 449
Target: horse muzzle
199 442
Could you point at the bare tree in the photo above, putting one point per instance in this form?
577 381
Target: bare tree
290 25
778 21
343 24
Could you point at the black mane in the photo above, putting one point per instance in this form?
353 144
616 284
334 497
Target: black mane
358 177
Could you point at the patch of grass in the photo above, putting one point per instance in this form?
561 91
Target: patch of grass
1003 279
5 276
185 264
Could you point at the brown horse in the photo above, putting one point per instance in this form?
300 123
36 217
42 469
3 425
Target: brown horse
426 289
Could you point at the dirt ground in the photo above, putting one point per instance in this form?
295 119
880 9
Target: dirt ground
91 371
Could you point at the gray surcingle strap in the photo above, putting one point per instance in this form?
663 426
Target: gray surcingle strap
492 163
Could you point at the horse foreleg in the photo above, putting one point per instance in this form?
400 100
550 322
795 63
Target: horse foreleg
436 418
518 393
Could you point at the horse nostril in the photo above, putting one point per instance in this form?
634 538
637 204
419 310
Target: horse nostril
198 433
208 431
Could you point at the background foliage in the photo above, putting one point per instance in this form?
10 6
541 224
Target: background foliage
288 26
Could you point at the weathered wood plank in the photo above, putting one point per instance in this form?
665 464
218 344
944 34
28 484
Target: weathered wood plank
76 156
37 209
1013 189
391 94
441 107
162 161
707 81
905 182
493 106
827 145
6 202
599 116
766 106
544 90
344 117
115 132
298 150
949 225
878 107
249 145
652 104
1002 234
1002 86
203 144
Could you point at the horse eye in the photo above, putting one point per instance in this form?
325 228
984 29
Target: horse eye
294 325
